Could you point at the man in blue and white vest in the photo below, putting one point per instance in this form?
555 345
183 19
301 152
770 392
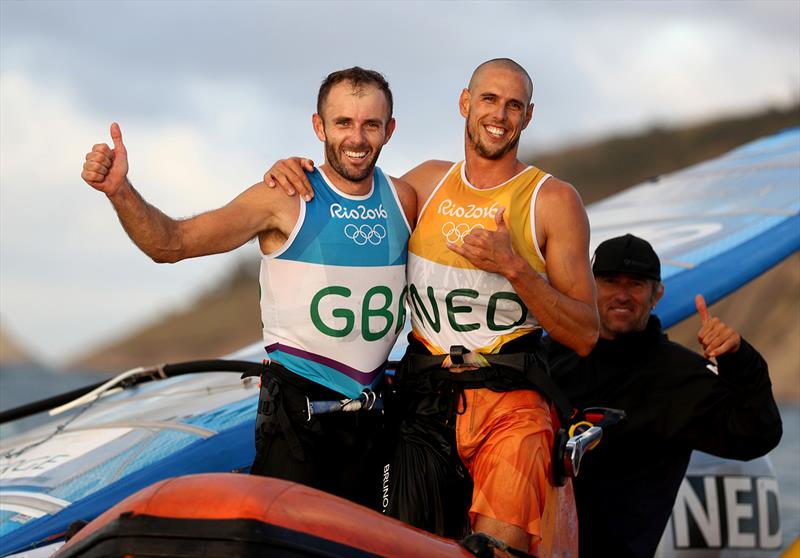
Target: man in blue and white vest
332 282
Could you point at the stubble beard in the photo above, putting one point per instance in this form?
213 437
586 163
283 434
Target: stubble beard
635 324
485 151
335 161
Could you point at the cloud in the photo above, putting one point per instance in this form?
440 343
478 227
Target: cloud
69 273
209 94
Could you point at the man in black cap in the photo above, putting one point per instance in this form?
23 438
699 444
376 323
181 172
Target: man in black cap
675 401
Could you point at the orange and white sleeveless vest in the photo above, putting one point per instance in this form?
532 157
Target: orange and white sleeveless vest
452 302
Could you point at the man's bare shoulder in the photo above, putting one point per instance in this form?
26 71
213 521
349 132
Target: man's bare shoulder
408 198
557 192
432 170
268 206
434 165
424 177
560 213
259 194
401 185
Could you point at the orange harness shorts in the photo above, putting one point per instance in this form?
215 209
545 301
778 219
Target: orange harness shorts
505 441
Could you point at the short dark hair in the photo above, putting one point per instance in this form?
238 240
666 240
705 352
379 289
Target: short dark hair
358 77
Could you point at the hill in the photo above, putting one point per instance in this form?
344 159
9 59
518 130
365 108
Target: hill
227 317
11 352
604 167
220 321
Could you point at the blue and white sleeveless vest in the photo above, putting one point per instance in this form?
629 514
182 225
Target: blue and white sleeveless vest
332 297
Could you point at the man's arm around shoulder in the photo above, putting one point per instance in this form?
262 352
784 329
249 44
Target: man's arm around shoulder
425 177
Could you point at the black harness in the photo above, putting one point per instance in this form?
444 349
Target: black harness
519 365
426 388
290 399
281 395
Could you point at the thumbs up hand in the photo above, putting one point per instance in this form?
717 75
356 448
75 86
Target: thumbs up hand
487 250
715 336
106 169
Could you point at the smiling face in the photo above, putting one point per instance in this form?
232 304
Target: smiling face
497 109
624 302
355 125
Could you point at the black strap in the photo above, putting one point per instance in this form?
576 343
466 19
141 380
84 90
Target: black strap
283 420
279 386
538 377
523 365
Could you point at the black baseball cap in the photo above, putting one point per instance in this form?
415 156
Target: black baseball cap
626 254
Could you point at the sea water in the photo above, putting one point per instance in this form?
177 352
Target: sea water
27 383
23 384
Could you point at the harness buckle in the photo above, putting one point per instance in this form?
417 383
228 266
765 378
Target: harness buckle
309 409
461 359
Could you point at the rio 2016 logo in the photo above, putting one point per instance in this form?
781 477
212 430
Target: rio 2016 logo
365 233
469 211
360 212
456 233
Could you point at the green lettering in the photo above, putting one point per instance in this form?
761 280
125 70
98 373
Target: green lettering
492 309
401 310
420 306
348 315
452 310
383 312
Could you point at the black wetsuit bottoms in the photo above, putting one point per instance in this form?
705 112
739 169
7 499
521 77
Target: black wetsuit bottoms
336 452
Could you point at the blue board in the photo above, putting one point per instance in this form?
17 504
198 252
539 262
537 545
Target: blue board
79 465
716 226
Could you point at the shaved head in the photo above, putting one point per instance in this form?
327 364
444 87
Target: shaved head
505 64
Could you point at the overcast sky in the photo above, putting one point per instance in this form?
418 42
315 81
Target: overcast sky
209 94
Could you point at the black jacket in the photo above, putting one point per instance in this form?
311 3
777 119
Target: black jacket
627 485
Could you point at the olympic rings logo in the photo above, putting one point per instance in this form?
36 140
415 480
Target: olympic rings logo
456 233
364 233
